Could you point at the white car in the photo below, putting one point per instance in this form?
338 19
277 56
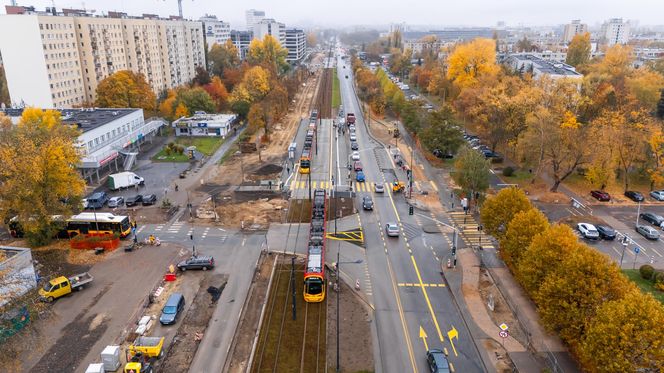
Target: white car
353 137
588 231
657 194
355 156
116 202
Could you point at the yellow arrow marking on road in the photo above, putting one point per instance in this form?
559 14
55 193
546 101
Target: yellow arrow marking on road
453 334
423 335
426 298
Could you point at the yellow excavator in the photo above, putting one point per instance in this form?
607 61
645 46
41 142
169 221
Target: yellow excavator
398 186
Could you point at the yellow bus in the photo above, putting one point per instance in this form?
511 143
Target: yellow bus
98 223
305 161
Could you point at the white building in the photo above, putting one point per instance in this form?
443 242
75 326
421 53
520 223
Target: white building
109 139
269 26
202 124
574 28
17 273
215 31
58 59
615 31
253 17
296 43
241 40
529 63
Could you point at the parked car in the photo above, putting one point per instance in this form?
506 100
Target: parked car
149 199
437 361
392 229
657 194
116 202
133 201
172 309
359 177
354 145
652 218
442 155
203 262
97 200
379 188
634 195
588 231
606 232
600 195
648 232
355 156
353 137
367 203
357 166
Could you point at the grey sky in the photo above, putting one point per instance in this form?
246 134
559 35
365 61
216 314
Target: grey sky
339 13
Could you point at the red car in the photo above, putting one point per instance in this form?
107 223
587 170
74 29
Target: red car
600 195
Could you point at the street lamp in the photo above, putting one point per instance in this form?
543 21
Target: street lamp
624 245
638 212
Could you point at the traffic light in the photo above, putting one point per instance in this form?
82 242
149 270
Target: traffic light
410 210
453 250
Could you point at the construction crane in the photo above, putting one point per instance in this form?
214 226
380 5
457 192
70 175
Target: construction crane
180 8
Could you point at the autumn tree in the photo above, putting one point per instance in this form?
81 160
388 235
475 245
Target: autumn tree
625 336
545 253
268 53
201 78
520 232
312 40
181 111
195 99
578 51
4 90
646 86
126 89
471 60
257 82
39 176
656 151
256 118
222 57
471 172
574 289
218 93
240 100
525 45
498 210
442 132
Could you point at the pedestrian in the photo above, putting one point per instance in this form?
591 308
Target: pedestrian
165 191
287 170
269 183
176 187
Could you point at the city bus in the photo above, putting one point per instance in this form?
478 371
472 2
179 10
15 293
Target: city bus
97 223
305 161
314 272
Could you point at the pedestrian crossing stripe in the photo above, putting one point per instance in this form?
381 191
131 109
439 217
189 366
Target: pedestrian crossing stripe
409 284
316 184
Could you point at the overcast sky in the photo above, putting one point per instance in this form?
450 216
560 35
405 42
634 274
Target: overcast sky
340 13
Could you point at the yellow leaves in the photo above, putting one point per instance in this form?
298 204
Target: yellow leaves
645 85
269 53
125 89
181 111
499 209
569 121
471 60
257 82
578 52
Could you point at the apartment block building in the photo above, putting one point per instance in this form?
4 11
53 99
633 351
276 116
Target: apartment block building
60 58
269 26
215 30
253 16
615 31
296 43
574 28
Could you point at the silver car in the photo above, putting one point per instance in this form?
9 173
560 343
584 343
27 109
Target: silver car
657 194
116 202
392 229
379 188
648 232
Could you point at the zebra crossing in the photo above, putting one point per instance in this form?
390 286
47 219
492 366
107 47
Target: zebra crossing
470 231
169 230
356 186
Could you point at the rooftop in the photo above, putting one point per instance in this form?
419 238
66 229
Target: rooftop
85 119
547 67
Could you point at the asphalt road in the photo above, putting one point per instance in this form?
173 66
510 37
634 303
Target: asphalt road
404 272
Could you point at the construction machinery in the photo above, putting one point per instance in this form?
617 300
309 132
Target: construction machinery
398 186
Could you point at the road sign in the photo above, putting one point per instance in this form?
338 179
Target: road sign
636 250
503 327
503 334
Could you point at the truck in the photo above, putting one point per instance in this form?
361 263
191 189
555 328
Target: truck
124 180
350 118
61 286
147 347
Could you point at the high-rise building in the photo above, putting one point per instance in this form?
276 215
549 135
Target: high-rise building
615 31
296 43
269 26
400 27
60 58
253 17
574 28
241 40
215 31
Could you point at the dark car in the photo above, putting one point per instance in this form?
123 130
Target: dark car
354 145
172 309
606 232
149 199
367 203
634 196
133 201
442 155
437 361
97 200
652 218
197 262
600 195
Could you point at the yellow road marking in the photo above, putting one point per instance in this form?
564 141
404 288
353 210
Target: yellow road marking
403 320
408 284
426 297
423 335
433 185
453 333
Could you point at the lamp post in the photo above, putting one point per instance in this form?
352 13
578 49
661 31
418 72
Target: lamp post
638 212
624 246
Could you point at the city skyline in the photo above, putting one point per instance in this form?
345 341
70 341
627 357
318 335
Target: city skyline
373 13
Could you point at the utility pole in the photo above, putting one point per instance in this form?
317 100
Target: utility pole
293 286
338 291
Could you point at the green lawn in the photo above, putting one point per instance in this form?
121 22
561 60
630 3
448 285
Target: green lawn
336 93
645 285
205 145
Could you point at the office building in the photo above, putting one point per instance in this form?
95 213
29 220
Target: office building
253 17
615 31
61 57
528 63
203 124
215 31
296 43
241 40
269 26
109 139
573 29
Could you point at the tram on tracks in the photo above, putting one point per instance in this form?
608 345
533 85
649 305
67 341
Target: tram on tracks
314 273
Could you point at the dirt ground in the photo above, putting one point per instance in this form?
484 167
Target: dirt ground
248 325
501 312
498 356
190 332
355 342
